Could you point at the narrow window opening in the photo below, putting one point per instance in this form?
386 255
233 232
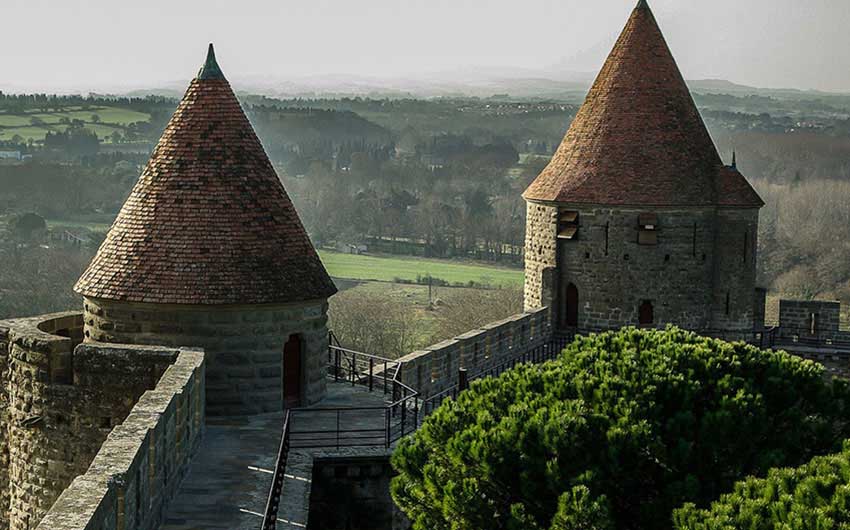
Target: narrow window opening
625 257
647 229
587 255
727 303
812 323
607 229
667 257
571 306
746 245
694 242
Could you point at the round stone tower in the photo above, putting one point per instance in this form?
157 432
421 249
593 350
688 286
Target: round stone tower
209 251
636 220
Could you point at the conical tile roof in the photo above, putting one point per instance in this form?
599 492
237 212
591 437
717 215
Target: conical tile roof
208 222
638 139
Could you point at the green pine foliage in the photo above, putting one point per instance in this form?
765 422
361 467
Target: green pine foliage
815 496
618 432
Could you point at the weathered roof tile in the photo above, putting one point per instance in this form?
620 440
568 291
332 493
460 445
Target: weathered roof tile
638 139
208 222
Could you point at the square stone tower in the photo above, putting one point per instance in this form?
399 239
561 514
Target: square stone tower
636 220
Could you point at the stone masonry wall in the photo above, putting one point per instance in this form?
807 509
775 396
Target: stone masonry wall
795 319
540 255
243 344
64 399
139 467
352 493
614 274
701 256
735 272
434 369
4 431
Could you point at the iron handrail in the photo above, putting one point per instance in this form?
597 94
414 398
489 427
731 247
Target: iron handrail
365 355
273 502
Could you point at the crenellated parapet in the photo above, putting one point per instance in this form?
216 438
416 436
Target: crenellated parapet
62 400
435 368
140 465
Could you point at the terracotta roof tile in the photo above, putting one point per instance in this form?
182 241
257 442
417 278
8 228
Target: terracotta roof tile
638 139
208 222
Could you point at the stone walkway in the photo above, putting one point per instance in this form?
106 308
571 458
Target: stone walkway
229 479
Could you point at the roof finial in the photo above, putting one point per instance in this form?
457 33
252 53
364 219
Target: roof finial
642 4
210 70
734 160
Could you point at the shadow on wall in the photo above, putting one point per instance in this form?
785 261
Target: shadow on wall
64 398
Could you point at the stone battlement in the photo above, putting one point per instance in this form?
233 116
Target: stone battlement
140 465
60 401
434 369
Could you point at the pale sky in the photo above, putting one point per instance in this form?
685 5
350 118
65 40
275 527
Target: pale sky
112 44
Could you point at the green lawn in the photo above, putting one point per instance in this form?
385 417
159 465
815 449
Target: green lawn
388 268
14 120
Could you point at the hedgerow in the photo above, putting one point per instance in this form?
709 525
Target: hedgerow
618 432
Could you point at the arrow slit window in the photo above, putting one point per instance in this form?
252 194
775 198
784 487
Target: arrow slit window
568 225
647 229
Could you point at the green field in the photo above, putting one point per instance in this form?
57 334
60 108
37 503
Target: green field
94 226
389 268
111 119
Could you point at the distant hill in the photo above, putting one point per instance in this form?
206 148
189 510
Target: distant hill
566 86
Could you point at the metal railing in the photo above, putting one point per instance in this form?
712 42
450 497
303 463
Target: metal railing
374 426
273 502
360 368
381 426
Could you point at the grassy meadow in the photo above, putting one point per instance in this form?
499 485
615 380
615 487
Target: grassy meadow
391 268
111 119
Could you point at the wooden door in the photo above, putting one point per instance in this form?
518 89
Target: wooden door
645 314
292 372
571 306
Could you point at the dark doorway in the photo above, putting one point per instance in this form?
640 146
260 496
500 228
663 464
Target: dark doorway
292 372
571 306
645 314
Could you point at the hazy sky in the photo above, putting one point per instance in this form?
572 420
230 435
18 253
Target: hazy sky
91 44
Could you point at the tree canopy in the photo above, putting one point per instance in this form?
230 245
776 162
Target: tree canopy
815 496
618 432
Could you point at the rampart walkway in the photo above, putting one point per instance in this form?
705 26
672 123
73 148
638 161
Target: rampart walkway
228 482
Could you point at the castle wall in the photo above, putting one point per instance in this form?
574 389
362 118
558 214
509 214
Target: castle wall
64 399
699 257
540 255
614 275
796 317
352 493
4 430
139 467
733 311
435 369
243 345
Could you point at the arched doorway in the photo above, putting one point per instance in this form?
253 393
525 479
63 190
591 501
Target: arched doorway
645 314
292 372
571 306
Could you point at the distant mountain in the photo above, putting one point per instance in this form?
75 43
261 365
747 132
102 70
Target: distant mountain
721 86
562 85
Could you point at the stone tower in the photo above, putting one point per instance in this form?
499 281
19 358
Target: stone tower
636 221
208 251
